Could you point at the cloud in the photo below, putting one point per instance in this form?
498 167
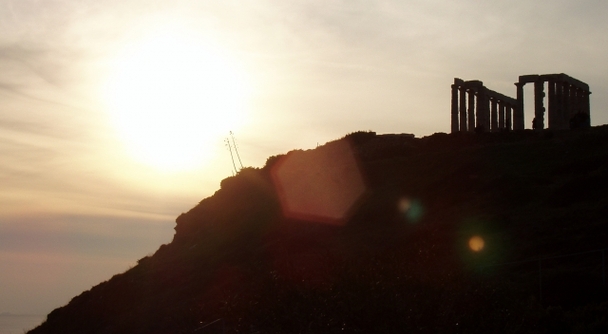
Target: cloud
84 234
27 291
74 252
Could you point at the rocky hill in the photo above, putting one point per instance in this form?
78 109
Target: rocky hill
476 233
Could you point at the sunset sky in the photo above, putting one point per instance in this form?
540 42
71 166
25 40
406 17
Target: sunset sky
113 113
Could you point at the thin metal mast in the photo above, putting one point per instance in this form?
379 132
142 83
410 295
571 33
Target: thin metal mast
236 149
227 141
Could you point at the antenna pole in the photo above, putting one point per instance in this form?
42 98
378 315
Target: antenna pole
227 141
235 149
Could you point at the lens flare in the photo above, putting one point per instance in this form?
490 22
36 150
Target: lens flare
411 209
476 243
322 185
404 204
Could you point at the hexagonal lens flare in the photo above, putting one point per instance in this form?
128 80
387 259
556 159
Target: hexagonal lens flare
321 185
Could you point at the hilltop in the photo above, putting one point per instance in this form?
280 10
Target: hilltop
488 232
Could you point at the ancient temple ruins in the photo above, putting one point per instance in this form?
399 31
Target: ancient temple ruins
478 108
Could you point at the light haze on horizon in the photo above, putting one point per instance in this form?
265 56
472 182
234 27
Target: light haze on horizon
113 114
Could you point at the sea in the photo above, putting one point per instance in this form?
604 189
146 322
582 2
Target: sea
19 324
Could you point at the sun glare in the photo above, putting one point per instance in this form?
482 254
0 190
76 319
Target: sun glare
172 99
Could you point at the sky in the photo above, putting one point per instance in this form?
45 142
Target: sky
114 113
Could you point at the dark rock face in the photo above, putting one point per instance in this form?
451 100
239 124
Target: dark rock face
446 236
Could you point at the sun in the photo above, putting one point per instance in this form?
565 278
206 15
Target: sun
172 99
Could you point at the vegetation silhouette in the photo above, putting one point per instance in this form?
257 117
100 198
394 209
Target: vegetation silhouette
401 262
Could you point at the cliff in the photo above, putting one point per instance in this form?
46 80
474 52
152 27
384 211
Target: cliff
490 232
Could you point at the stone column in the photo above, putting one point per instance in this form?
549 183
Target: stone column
494 116
572 100
455 126
501 116
518 113
463 109
567 111
558 106
575 100
539 108
586 104
576 107
471 111
508 120
483 111
554 120
579 99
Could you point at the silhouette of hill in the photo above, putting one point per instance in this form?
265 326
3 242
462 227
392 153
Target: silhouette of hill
375 234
